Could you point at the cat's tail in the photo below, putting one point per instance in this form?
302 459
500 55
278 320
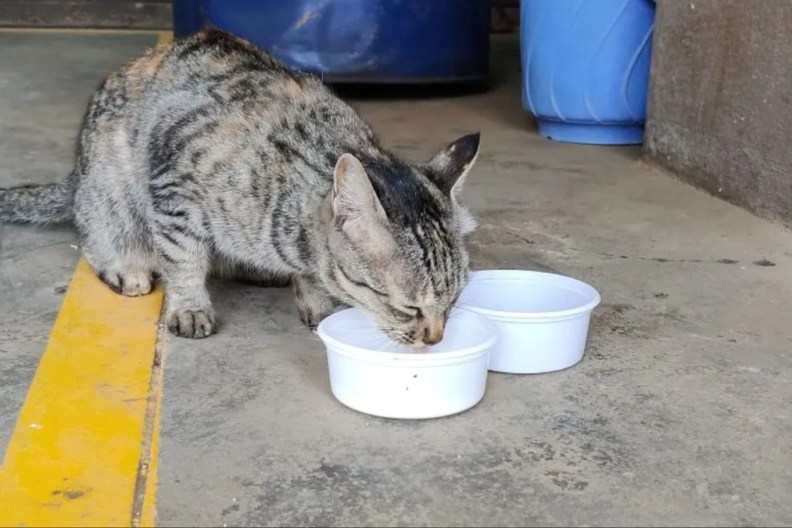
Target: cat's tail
37 204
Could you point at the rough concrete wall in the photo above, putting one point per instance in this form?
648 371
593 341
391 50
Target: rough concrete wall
720 109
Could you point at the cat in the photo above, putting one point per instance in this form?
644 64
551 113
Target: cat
211 154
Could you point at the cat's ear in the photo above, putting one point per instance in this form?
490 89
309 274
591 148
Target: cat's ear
449 167
356 208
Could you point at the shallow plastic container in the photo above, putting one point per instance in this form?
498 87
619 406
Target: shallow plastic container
372 374
586 68
542 318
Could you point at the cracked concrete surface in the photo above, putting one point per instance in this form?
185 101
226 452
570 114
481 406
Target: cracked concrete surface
678 414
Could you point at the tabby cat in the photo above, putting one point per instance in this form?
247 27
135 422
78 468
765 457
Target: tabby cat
211 155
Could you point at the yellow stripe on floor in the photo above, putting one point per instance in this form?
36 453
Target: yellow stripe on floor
85 429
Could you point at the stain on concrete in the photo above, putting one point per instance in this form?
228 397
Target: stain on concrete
656 259
69 494
617 319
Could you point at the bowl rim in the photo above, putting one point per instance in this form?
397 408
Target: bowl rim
408 358
533 276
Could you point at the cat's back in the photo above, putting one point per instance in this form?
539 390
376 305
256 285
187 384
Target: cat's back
212 58
249 90
232 71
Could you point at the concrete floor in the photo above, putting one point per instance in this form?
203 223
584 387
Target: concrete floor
678 414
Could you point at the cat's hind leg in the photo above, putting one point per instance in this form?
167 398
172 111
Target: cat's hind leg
115 244
109 202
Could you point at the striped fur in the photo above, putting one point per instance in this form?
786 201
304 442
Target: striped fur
211 155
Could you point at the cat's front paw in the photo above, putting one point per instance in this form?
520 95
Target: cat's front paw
194 324
313 302
309 317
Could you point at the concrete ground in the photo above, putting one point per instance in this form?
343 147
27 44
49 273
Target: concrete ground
678 414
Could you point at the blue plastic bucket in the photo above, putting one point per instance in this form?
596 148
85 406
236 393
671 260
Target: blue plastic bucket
188 17
586 68
413 41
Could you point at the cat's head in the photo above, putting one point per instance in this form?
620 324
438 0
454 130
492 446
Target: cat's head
397 239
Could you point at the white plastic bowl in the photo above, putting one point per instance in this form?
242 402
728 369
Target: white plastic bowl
372 374
542 318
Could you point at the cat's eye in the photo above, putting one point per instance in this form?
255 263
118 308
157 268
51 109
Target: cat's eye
416 312
361 284
406 313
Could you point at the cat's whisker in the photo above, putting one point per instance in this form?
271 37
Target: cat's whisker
454 314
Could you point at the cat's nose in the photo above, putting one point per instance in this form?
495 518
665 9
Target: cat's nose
433 333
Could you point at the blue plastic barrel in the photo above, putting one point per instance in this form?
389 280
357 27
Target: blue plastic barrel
188 17
586 68
415 41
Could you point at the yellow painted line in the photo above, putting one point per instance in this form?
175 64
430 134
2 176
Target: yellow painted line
85 426
164 38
